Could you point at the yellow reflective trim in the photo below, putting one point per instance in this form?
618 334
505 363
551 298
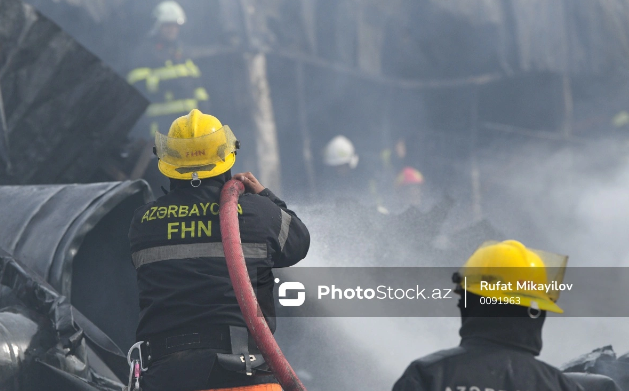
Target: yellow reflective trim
201 94
138 74
152 83
173 107
154 128
168 72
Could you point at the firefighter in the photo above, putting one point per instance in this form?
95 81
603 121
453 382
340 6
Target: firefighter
340 178
340 153
165 73
408 187
192 327
167 76
499 341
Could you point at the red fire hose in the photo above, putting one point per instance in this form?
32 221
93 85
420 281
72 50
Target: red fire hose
245 294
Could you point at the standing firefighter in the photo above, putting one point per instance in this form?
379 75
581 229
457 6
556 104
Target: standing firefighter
499 341
408 187
190 320
168 77
340 179
165 74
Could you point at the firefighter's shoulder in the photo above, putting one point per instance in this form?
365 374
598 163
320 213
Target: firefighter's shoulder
142 210
438 357
256 204
424 370
565 382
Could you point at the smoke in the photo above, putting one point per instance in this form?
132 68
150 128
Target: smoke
551 193
569 200
603 210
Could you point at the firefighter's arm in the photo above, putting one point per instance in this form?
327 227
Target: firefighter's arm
293 239
411 380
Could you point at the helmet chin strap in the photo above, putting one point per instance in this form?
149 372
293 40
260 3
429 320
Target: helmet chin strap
195 182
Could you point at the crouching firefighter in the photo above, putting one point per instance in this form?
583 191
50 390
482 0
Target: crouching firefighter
192 335
501 331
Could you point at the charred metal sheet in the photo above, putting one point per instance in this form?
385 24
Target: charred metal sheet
601 361
16 336
65 110
75 238
44 226
45 343
590 381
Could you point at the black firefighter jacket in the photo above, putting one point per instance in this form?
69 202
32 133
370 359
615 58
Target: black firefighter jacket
181 270
495 354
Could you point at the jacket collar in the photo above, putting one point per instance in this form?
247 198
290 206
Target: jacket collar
216 181
515 333
504 325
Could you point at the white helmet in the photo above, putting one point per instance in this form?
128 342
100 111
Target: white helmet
168 12
340 151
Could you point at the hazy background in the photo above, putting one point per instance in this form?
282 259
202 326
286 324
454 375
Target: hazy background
514 109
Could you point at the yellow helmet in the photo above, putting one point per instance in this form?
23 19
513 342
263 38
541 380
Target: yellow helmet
508 269
197 146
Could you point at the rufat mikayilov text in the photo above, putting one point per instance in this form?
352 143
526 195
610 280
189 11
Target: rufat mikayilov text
524 285
382 292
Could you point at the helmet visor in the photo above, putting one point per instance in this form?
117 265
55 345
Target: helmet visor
555 269
198 153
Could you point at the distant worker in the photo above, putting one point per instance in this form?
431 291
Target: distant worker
168 78
188 308
499 341
341 160
391 160
340 153
165 74
408 187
